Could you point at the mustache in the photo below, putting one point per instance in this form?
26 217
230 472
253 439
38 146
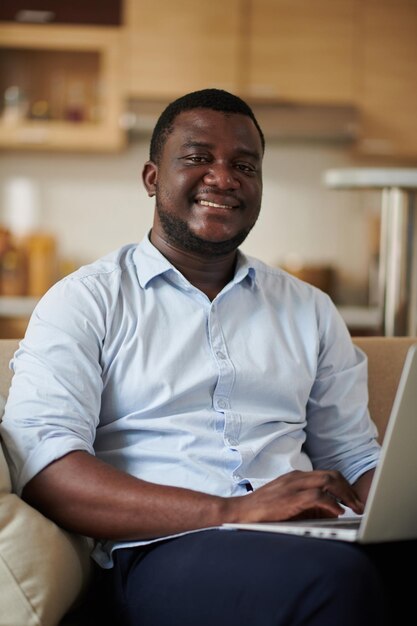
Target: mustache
215 192
225 196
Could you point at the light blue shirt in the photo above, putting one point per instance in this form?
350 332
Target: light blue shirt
126 360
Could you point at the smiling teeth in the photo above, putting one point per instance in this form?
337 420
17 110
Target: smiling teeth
213 204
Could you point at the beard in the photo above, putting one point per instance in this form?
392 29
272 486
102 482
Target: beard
179 234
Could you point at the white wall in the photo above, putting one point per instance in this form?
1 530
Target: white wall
93 204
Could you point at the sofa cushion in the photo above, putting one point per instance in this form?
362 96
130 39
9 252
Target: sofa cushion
5 484
43 569
5 481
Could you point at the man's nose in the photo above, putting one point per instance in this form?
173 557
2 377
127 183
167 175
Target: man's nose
222 176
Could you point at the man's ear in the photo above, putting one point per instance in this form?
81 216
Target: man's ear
149 177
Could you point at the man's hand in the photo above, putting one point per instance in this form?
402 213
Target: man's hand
297 495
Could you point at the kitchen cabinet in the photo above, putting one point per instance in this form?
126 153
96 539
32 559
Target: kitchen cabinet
181 46
300 50
61 88
295 50
73 82
386 78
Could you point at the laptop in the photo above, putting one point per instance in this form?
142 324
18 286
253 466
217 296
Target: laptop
391 509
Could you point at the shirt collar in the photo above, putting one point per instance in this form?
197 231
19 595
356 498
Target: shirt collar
151 263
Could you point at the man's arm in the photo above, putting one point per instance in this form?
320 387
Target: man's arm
363 484
88 496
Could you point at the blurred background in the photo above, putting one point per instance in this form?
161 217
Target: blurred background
332 82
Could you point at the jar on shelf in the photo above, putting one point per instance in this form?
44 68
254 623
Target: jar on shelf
75 110
15 105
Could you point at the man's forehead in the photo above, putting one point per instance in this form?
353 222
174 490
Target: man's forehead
200 126
203 117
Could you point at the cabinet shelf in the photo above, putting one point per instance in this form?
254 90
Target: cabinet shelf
60 135
17 306
74 73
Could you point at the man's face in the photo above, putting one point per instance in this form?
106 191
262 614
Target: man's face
208 184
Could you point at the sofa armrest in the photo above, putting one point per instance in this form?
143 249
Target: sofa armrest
386 356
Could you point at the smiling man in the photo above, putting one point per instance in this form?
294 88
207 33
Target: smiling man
178 384
215 162
208 189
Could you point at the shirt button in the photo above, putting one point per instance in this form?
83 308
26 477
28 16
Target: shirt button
220 354
221 404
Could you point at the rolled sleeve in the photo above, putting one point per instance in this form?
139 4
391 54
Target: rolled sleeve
54 401
340 432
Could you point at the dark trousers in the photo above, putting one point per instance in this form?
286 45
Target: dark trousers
242 578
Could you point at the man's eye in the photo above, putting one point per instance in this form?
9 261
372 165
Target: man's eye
197 159
245 167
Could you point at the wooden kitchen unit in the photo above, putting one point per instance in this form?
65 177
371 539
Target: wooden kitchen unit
386 78
352 53
174 47
262 49
61 88
300 51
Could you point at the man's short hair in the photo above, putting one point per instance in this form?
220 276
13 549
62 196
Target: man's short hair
214 99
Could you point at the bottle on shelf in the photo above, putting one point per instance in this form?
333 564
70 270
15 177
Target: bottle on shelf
42 263
13 267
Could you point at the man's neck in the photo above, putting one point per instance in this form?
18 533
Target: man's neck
209 275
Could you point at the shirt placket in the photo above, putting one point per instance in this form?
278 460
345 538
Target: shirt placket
222 402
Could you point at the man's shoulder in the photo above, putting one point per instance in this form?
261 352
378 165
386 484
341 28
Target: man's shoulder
267 272
92 293
113 263
99 282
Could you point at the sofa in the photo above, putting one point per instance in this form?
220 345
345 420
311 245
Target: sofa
46 572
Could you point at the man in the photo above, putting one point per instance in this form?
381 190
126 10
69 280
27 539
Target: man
177 385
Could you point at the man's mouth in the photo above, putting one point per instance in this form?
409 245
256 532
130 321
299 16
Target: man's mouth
216 205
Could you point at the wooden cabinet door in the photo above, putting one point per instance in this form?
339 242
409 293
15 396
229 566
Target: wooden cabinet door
387 77
301 50
176 46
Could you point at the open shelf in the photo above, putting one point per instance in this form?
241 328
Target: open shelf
60 87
